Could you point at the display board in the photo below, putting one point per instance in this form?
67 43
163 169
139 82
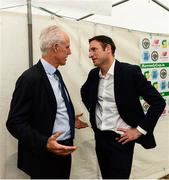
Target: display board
154 62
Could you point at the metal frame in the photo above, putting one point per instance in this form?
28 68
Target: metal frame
161 4
30 38
84 17
120 2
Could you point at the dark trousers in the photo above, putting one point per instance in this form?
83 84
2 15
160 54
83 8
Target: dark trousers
53 166
115 159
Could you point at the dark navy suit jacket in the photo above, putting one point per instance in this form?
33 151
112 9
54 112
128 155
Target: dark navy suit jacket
31 117
129 86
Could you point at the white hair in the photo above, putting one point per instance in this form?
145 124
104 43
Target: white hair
49 36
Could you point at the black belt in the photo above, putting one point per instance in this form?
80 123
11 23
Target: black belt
107 133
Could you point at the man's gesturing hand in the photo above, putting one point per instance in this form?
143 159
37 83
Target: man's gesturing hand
55 147
78 123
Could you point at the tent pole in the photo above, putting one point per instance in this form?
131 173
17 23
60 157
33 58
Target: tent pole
30 44
160 4
118 3
84 17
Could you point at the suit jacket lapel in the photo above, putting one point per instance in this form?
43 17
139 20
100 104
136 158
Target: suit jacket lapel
96 85
47 84
117 81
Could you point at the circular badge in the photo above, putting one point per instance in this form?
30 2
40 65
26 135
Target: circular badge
163 73
146 43
154 55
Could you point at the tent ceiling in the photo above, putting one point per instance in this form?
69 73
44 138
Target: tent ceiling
143 15
102 7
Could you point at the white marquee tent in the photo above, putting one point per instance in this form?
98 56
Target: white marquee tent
126 22
144 15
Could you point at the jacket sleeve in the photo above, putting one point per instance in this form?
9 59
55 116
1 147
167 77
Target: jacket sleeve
152 97
20 114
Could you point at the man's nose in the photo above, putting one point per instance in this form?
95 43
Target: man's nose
90 55
69 52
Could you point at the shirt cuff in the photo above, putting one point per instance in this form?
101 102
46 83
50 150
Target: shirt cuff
142 131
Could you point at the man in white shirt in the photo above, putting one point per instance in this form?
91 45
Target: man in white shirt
111 94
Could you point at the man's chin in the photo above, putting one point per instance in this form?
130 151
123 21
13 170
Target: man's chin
95 64
63 63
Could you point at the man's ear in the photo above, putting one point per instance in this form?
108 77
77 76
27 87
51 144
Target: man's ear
55 47
108 48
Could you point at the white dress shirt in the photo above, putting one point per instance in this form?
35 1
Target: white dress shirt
107 115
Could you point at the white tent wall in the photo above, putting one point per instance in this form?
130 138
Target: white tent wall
14 60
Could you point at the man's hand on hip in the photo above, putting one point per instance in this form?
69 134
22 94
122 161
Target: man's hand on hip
128 135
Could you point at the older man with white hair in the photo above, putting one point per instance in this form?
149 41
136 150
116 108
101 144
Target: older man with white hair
41 114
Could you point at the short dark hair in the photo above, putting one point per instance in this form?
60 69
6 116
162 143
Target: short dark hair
104 40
